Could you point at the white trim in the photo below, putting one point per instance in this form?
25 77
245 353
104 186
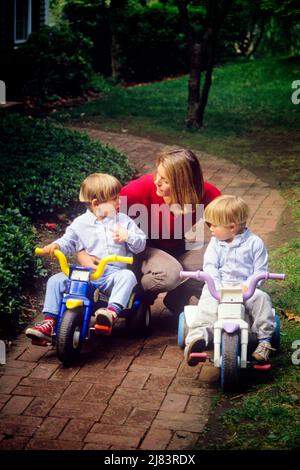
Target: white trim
46 20
29 22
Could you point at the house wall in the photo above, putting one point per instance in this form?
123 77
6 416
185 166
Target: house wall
10 60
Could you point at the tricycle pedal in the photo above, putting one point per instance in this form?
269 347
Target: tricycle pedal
41 342
200 357
102 329
262 366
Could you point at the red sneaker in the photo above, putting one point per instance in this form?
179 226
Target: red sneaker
42 330
105 318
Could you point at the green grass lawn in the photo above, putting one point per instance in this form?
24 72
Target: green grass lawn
250 120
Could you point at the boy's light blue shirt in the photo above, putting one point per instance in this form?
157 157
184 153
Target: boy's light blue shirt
88 233
238 260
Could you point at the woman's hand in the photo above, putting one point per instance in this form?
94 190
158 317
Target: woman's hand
87 260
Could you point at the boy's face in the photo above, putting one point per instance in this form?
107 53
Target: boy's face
105 209
224 232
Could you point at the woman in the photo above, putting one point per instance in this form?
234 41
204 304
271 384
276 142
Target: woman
167 205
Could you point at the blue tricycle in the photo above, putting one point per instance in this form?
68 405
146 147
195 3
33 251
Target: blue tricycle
75 324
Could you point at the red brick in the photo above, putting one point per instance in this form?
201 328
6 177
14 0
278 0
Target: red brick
120 362
75 409
16 443
48 444
210 374
16 405
40 406
174 402
179 421
100 394
18 368
40 388
116 414
110 378
15 351
183 440
76 430
142 418
115 435
96 446
156 439
144 399
186 386
4 398
158 382
200 404
63 373
51 428
19 425
44 392
76 391
135 380
8 383
43 370
33 353
44 383
154 368
96 363
154 352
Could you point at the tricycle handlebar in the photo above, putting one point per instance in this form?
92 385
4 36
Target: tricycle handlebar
202 276
64 266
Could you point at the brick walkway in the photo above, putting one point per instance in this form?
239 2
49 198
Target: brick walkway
125 393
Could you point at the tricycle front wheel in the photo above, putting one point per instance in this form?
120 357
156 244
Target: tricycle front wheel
230 361
69 340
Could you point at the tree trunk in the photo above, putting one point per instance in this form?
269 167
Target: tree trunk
202 56
194 86
115 55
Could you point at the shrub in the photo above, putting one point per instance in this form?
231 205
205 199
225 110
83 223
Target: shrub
56 62
16 262
43 165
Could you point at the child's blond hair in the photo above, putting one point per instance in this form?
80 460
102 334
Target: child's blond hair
100 186
225 210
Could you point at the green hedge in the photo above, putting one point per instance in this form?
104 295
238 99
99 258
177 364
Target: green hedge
42 165
55 62
16 264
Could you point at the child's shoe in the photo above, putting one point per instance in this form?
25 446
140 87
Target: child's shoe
42 330
262 352
198 345
105 319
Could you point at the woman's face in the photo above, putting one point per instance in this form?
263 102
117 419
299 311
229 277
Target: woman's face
161 182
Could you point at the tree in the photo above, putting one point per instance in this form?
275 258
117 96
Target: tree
202 44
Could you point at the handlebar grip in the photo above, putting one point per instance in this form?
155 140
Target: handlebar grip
61 259
280 277
124 259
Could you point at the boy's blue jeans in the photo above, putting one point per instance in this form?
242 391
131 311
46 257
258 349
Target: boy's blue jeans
116 283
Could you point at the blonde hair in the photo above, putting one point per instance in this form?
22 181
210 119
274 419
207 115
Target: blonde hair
225 210
184 174
100 186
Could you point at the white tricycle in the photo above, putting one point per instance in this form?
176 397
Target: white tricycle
231 330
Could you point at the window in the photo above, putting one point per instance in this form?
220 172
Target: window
22 20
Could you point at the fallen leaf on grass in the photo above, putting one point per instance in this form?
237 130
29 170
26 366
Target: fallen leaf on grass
292 316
